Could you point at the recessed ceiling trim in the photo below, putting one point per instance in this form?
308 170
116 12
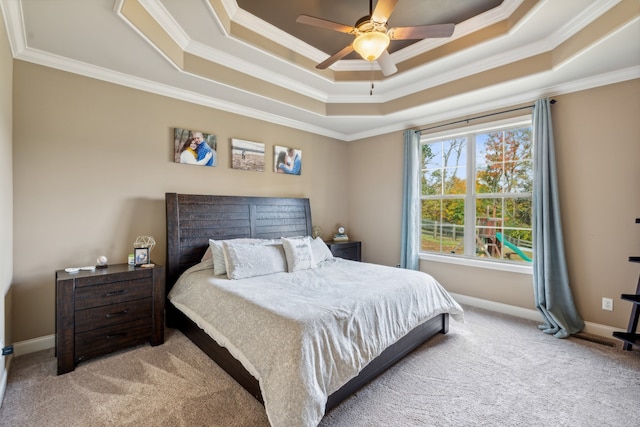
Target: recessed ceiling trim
590 14
14 21
220 69
145 23
166 21
250 68
222 11
588 37
393 110
275 34
436 112
486 19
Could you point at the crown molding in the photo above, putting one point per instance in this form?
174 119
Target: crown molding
242 102
504 102
165 20
253 69
99 73
14 22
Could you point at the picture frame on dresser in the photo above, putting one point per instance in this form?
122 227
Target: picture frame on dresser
141 256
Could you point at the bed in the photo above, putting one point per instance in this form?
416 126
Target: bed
192 220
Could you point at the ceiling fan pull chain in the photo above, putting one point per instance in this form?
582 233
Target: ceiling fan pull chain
371 78
371 90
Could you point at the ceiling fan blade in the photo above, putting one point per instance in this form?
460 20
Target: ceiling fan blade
335 57
323 23
421 32
386 64
383 10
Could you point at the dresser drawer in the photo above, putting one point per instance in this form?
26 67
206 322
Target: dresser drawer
111 293
107 315
106 340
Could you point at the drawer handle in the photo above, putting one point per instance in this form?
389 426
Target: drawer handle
121 334
114 293
119 313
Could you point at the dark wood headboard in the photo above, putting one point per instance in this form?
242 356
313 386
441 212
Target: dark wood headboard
194 219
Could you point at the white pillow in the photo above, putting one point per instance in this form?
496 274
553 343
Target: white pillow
246 260
299 254
321 251
219 266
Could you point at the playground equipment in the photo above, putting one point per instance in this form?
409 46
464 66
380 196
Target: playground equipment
486 236
492 242
511 246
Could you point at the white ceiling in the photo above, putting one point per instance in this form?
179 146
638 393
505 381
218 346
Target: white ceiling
214 53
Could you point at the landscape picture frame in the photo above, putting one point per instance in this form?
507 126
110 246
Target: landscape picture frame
247 155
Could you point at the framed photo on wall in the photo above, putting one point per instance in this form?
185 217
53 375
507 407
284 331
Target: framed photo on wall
195 147
287 160
247 155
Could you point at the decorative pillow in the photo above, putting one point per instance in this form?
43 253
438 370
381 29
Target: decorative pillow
299 254
246 260
219 266
321 251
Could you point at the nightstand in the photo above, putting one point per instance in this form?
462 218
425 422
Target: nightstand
348 250
105 310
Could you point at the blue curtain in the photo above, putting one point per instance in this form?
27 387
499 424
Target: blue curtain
410 194
552 293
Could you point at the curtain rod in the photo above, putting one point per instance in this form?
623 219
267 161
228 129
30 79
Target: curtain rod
553 101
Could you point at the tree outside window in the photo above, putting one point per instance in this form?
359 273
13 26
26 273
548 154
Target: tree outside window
492 217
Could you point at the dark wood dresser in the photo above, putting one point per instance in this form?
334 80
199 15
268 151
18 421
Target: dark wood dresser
108 309
348 249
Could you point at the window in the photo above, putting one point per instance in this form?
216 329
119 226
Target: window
476 192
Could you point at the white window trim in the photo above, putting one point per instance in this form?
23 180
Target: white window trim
522 268
512 267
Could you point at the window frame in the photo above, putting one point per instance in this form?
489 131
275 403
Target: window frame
471 195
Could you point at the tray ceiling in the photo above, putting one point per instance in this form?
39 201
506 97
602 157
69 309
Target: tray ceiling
250 56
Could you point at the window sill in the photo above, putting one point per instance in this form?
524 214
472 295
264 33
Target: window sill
470 262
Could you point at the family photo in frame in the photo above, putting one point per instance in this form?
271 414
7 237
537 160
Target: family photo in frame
140 256
287 160
195 147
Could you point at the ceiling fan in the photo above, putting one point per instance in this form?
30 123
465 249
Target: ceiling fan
372 35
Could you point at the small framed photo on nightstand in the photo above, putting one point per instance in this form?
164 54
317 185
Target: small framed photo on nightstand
141 256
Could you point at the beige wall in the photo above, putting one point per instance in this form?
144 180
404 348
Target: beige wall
6 184
93 160
597 136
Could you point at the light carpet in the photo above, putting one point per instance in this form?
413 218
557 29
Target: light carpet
492 370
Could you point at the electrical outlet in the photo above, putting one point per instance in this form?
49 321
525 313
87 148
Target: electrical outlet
607 304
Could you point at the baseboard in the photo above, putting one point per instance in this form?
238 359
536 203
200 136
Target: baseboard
36 344
604 331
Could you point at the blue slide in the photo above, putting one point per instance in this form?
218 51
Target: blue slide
513 247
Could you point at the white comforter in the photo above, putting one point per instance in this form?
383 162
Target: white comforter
305 334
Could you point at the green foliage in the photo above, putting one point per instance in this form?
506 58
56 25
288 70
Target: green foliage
504 168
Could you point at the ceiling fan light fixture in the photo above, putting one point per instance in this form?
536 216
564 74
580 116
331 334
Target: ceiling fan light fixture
370 45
